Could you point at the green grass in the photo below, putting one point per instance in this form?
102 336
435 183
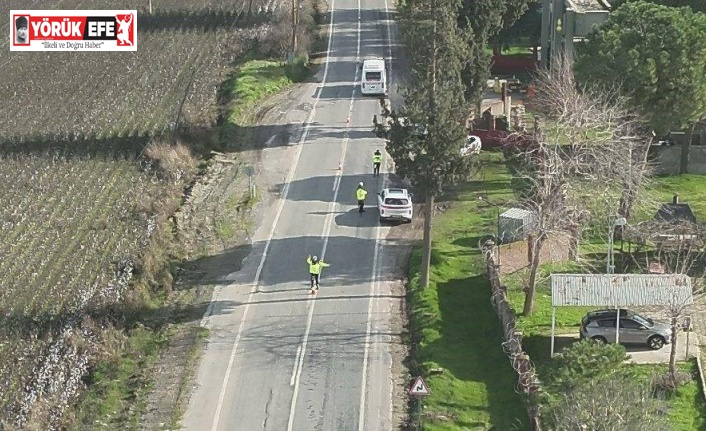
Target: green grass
686 403
453 323
253 81
690 187
539 322
114 395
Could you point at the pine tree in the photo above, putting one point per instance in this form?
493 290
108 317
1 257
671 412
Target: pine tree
426 136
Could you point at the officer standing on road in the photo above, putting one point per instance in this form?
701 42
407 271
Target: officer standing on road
315 266
360 194
377 160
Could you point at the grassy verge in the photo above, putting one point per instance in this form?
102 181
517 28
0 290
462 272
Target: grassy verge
193 356
686 404
115 394
253 81
453 324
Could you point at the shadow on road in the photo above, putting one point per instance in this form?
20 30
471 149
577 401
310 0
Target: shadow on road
286 260
318 188
353 218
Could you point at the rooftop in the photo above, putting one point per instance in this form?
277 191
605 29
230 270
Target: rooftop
397 191
675 211
587 5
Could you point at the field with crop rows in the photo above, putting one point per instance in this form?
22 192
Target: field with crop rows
78 205
183 48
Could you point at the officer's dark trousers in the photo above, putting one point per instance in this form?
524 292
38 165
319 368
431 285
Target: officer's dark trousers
314 280
376 169
360 206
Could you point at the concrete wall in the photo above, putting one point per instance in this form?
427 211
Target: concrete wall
666 159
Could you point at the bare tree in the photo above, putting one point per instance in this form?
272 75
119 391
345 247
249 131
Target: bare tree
578 169
677 248
616 402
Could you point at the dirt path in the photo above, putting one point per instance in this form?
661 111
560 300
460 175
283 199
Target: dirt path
215 225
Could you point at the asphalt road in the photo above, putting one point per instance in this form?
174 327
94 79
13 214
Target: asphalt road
279 358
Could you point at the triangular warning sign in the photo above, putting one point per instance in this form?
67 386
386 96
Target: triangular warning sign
419 388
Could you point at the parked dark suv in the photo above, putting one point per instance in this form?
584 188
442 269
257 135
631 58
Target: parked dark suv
634 329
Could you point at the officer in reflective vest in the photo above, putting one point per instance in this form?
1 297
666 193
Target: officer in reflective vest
360 194
377 160
315 266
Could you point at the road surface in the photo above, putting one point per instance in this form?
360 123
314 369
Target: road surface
279 358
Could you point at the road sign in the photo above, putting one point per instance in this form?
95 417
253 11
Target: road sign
419 388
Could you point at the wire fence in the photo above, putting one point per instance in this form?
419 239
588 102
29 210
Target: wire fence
527 380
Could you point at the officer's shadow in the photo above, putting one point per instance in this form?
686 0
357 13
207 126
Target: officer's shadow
353 218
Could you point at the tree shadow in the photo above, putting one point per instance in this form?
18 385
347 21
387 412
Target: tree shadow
469 347
122 315
470 242
318 188
76 147
286 268
463 192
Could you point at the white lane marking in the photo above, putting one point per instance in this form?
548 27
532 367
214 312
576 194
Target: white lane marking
373 293
296 364
283 198
375 277
325 234
390 385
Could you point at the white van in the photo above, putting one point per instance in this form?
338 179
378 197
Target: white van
373 79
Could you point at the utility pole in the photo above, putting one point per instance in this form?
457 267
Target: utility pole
429 204
295 23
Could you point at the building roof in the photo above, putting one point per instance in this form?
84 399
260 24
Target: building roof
672 212
620 290
516 213
586 5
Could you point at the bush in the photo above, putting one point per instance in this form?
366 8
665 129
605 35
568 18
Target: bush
584 362
174 163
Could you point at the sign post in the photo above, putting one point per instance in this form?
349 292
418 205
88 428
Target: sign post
419 390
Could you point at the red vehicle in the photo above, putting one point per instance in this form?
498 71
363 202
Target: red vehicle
498 139
493 137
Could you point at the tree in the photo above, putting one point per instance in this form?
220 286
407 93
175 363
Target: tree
481 20
696 5
657 55
426 135
584 362
617 402
528 25
590 389
574 174
680 248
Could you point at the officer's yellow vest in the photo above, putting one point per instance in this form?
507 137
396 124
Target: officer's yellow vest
315 268
360 194
377 158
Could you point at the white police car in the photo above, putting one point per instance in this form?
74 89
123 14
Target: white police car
395 204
